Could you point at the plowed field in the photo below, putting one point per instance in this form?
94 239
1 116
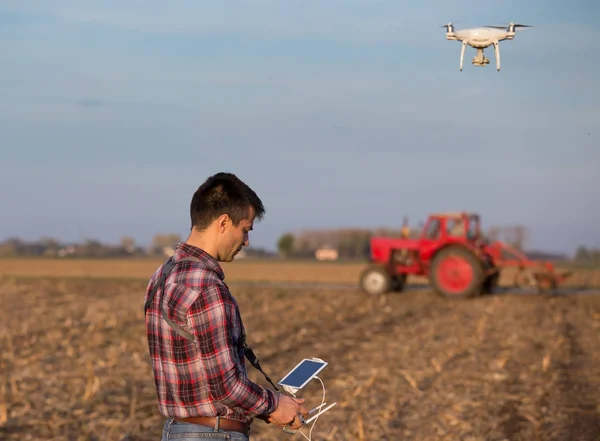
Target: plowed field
507 366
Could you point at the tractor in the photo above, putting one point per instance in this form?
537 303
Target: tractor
453 254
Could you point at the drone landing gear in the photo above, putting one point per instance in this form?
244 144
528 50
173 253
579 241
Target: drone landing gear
480 59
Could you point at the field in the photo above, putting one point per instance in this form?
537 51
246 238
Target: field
508 366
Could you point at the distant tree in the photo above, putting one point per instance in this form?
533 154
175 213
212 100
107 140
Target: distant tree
520 237
285 244
49 245
582 254
161 241
305 243
49 242
493 234
362 246
92 248
515 236
128 244
8 249
346 248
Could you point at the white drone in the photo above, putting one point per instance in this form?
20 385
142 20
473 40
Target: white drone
480 38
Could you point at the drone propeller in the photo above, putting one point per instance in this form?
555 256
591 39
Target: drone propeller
513 25
449 27
451 23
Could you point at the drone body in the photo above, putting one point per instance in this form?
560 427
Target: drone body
481 38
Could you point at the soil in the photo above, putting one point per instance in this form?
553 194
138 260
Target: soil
508 366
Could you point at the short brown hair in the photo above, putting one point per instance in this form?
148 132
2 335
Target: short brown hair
223 193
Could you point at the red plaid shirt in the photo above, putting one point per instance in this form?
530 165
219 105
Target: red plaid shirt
206 377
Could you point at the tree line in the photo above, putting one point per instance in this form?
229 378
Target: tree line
350 243
161 245
587 255
51 247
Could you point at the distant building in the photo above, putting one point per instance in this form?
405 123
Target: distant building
168 251
326 254
64 252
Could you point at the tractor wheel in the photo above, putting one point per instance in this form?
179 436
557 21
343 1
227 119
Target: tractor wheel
375 280
457 273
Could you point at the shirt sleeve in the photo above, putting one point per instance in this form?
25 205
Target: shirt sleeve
227 383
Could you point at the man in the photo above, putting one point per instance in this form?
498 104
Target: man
405 231
402 254
196 337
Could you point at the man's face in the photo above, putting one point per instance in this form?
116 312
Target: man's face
236 237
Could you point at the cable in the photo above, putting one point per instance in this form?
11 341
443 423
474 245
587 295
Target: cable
309 437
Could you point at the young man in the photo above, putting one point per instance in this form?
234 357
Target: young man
195 331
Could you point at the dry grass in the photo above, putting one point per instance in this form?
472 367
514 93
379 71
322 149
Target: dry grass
249 270
131 268
74 362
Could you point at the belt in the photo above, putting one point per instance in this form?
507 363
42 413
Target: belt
224 423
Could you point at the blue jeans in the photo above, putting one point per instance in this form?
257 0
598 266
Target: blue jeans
174 430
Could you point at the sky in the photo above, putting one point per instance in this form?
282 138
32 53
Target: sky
345 113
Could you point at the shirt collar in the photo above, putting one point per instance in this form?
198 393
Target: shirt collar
184 249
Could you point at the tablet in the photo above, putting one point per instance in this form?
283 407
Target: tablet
301 375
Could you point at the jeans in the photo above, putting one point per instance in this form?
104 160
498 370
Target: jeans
174 430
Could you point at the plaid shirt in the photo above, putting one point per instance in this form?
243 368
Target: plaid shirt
206 377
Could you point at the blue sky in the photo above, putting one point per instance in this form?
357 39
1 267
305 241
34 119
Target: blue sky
339 113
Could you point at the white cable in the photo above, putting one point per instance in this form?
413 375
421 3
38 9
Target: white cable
309 437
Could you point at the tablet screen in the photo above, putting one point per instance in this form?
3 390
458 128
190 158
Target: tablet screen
302 373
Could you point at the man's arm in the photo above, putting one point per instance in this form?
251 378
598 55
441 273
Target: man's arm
208 317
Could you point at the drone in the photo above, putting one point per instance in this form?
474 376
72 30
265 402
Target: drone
481 38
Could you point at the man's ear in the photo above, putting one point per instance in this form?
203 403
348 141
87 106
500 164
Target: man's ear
223 222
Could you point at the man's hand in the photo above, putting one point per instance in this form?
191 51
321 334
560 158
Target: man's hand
287 412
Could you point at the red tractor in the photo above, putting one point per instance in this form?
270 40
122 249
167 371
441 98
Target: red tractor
452 253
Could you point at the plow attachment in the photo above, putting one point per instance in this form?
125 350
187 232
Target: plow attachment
544 280
528 273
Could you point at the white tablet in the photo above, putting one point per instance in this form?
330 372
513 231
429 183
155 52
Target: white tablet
301 375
